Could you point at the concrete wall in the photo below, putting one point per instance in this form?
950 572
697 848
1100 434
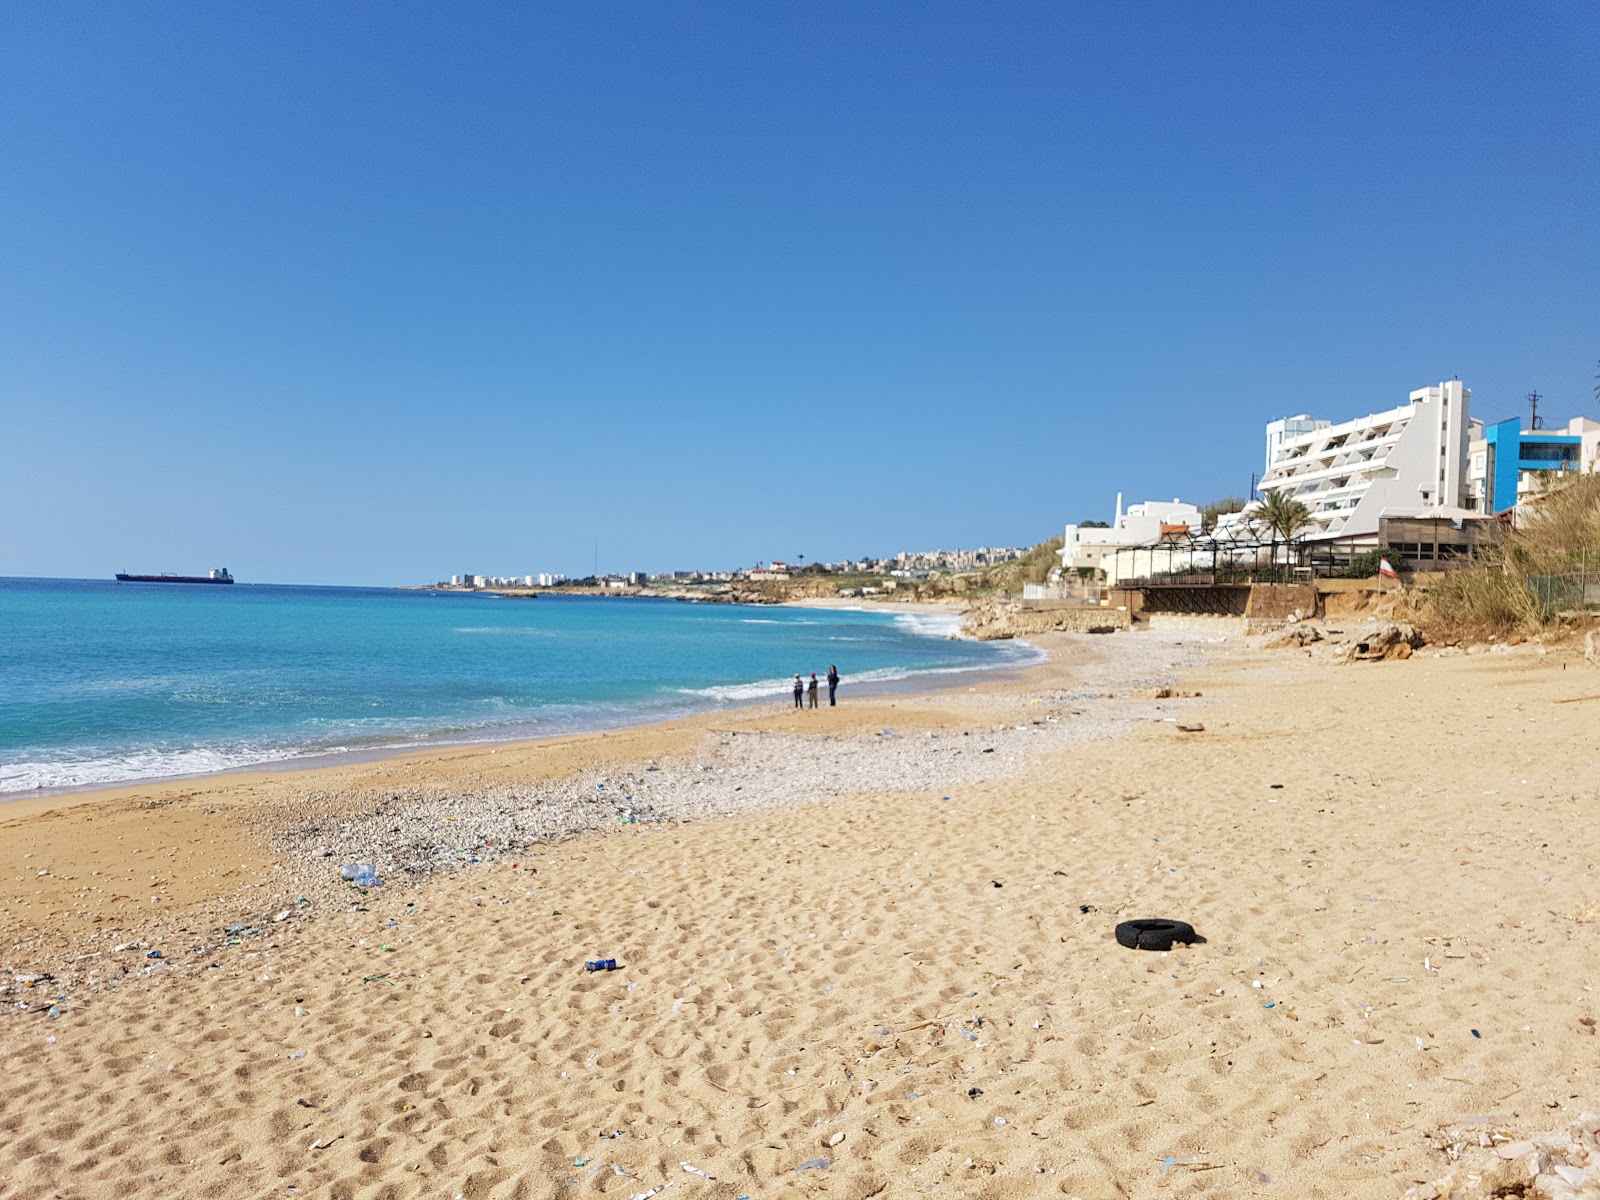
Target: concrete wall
1199 626
1278 603
1212 626
1082 620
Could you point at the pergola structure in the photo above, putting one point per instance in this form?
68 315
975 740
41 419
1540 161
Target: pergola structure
1208 573
1237 555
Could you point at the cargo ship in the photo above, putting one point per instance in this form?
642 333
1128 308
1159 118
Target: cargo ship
217 575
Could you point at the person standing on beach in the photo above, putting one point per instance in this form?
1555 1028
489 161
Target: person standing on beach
813 689
799 693
833 685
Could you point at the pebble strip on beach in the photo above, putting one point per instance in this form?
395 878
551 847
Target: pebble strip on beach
414 833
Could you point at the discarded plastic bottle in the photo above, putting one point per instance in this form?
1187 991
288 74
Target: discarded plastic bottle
601 964
351 872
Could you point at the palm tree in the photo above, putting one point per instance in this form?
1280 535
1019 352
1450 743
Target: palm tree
1284 516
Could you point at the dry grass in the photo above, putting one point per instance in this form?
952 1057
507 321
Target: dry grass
1558 529
1555 533
1486 601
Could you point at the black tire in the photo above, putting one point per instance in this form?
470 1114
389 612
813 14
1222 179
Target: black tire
1154 934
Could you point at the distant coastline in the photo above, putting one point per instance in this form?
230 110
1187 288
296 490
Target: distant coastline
824 594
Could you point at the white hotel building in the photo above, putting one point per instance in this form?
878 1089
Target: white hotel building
1404 459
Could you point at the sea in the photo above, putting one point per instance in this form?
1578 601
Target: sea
104 683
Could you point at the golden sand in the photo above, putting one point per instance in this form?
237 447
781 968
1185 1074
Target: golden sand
1389 863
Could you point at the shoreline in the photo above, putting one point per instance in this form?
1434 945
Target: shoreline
517 735
881 936
243 814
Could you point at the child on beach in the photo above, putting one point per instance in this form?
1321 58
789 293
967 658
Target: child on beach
799 692
813 689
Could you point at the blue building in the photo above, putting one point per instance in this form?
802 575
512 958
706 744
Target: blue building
1501 467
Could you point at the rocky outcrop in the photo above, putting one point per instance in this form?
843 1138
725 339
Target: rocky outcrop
1367 641
1292 637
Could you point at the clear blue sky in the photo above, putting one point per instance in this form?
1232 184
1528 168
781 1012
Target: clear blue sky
378 292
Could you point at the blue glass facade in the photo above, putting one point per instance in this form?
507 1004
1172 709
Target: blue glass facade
1513 449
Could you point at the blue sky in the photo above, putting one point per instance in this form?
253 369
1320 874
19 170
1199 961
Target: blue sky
374 293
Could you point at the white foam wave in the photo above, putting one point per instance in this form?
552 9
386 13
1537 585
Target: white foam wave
741 691
935 625
133 766
1016 654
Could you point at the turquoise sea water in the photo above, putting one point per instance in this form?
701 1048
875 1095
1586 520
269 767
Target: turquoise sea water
103 682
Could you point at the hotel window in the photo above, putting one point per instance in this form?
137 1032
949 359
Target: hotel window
1536 452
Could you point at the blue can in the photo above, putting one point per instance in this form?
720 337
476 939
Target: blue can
603 964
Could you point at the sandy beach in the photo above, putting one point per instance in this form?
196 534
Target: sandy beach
862 952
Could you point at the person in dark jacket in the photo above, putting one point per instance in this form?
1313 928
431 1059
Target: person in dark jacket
833 685
799 693
812 689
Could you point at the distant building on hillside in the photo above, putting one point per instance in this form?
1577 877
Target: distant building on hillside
949 560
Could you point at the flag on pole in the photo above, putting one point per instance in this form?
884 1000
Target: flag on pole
1385 569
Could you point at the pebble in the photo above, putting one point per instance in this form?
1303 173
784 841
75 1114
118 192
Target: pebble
1555 1163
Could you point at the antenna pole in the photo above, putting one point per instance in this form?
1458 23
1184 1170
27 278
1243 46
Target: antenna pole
1533 403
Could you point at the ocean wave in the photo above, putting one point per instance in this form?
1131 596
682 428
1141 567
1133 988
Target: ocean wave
133 766
934 625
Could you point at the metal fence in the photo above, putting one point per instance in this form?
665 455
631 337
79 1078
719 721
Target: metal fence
1572 592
